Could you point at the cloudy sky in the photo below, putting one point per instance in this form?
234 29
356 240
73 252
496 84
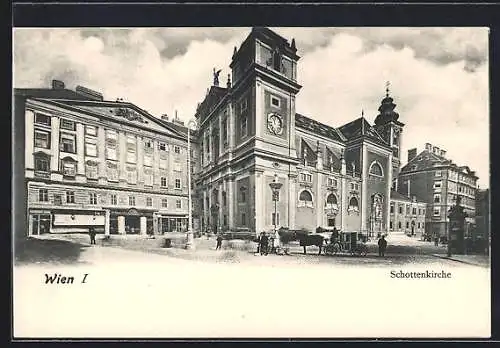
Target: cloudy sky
438 76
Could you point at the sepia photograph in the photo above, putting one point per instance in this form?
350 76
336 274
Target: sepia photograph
246 182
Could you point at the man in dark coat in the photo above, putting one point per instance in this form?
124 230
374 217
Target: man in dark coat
382 245
92 235
264 242
219 242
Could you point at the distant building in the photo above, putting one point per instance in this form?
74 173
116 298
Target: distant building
438 181
90 162
482 214
407 215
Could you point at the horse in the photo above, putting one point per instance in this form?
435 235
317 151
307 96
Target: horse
303 237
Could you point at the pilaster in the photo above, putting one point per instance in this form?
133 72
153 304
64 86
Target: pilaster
140 159
80 149
292 200
30 144
121 224
101 154
54 144
143 225
388 194
364 188
122 153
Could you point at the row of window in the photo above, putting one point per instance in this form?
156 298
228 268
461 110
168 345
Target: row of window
69 169
421 211
42 139
43 196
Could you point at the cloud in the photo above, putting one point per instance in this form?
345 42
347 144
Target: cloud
439 76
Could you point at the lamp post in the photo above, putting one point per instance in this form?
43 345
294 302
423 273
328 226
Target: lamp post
189 239
275 187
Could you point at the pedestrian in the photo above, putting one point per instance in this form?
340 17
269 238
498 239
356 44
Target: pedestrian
436 241
382 245
219 242
264 243
92 235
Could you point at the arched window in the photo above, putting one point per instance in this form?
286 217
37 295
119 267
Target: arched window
376 169
353 204
331 201
305 199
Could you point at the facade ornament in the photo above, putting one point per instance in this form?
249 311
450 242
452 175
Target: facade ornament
216 77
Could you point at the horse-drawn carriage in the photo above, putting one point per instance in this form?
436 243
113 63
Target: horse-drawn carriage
346 242
330 242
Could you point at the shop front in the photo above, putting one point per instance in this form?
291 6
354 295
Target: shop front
130 221
171 223
64 221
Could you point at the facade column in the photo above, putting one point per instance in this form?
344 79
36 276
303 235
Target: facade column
292 200
143 225
259 204
121 224
80 148
30 144
258 96
206 210
30 225
106 223
388 194
54 144
156 164
140 156
320 208
231 201
344 196
122 153
364 191
101 153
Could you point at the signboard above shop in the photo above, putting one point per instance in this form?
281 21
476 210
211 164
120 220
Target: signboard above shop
78 220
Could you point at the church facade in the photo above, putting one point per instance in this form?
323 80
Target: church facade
250 135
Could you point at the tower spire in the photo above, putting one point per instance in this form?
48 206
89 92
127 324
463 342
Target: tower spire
387 85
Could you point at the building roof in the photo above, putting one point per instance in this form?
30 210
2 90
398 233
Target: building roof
51 93
401 197
316 127
360 127
118 110
426 160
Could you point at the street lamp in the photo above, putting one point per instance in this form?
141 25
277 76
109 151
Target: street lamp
275 187
189 239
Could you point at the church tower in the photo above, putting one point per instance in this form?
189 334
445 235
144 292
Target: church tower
388 126
264 77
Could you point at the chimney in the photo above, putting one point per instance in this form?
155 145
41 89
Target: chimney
428 147
443 153
412 153
408 189
93 95
58 84
164 117
435 150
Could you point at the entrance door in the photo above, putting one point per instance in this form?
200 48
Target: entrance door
44 224
35 222
132 225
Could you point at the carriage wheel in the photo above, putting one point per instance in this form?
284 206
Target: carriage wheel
336 248
364 251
